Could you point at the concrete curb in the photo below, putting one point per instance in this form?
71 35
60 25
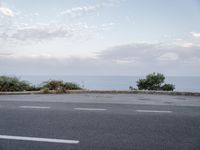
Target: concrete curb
107 92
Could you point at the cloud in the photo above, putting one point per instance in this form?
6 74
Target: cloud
40 31
6 11
13 30
82 10
127 59
43 64
151 52
128 51
5 54
195 34
169 56
79 11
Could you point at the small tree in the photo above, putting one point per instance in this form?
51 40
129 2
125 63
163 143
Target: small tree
154 82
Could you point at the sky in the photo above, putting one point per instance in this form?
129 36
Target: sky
100 37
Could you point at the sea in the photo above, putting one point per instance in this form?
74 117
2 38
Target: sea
182 83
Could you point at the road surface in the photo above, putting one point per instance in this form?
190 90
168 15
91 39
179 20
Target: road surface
99 122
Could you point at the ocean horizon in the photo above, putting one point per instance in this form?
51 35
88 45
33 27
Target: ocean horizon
182 83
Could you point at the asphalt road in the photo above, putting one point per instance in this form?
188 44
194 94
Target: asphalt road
99 122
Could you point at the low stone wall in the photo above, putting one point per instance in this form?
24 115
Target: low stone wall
107 92
137 92
21 93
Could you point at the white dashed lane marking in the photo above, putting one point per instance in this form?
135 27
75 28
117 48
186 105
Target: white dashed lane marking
35 107
91 109
154 111
36 139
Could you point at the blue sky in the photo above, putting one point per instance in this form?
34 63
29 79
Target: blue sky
100 37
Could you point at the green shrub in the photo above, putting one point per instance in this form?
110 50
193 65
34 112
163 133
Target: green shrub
60 86
45 90
53 84
71 86
168 87
9 84
154 82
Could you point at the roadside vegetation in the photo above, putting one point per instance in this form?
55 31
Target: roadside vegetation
14 84
154 81
10 84
59 86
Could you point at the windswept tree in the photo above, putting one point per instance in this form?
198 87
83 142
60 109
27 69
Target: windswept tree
154 81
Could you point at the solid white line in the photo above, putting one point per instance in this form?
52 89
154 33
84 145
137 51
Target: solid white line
91 109
22 138
154 111
35 107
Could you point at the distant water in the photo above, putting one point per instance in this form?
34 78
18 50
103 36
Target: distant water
191 84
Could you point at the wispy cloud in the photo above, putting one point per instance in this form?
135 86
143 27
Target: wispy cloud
83 10
79 11
24 28
40 31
